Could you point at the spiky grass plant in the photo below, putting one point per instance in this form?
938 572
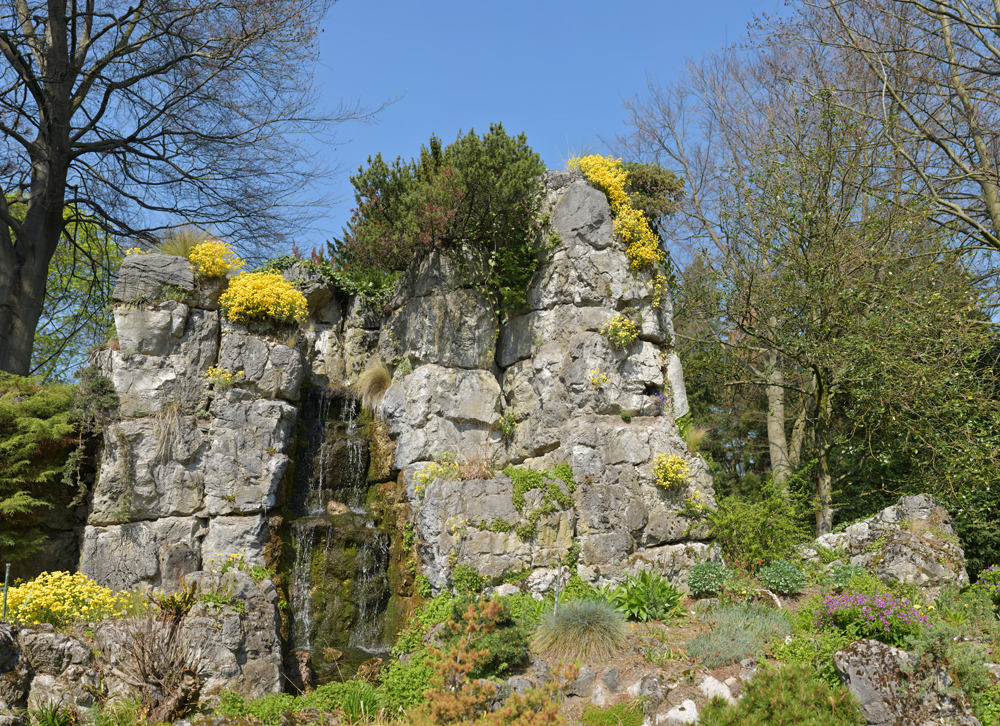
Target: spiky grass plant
693 436
181 242
590 630
372 384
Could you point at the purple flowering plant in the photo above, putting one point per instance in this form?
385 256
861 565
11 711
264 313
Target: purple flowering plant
989 580
880 617
661 403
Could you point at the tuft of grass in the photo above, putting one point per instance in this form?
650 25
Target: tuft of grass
181 241
737 632
693 436
372 384
629 713
581 629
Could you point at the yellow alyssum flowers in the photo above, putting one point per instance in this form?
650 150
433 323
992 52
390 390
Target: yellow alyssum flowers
223 378
620 331
60 598
263 296
214 258
446 468
670 471
643 246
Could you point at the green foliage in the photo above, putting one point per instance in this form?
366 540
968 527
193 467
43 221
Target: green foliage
424 588
943 643
51 713
525 609
751 534
375 285
652 190
267 709
508 425
409 536
815 650
842 575
36 434
707 578
357 700
123 712
403 684
786 695
593 630
987 706
628 713
506 645
481 197
467 580
525 479
737 632
646 596
782 577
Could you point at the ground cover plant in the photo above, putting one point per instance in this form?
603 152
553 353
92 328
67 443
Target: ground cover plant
737 632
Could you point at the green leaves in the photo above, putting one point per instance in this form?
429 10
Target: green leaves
646 596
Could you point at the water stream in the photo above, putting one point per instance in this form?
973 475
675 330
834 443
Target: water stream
339 585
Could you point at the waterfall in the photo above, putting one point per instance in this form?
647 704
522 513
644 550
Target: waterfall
339 586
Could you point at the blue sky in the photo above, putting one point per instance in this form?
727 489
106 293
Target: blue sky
554 69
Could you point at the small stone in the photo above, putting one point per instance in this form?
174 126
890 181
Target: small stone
731 681
712 687
600 696
583 685
506 589
686 713
520 684
612 679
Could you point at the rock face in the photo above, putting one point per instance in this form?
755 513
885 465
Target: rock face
571 396
189 471
912 541
233 646
872 671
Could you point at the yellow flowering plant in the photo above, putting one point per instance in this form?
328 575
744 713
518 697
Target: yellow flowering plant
214 258
597 378
61 598
445 468
620 331
608 175
670 471
263 296
136 251
222 378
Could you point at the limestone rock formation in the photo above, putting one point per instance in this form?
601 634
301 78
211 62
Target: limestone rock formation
871 670
912 541
572 396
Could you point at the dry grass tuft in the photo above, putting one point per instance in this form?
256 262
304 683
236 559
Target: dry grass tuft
181 241
372 384
693 437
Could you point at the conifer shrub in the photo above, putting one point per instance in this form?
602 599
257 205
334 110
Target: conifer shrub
504 643
591 630
786 695
37 427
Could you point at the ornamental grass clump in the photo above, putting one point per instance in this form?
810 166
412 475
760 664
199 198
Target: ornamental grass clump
372 384
263 296
592 630
61 598
880 617
737 632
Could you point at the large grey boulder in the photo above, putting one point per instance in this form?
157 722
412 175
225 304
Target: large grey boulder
912 541
270 368
872 671
146 276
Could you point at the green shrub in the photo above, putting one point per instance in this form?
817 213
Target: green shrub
782 577
403 684
506 646
944 643
707 578
840 576
267 709
786 695
751 534
525 609
466 580
36 435
480 195
737 632
124 712
646 596
815 650
629 713
356 699
589 629
987 707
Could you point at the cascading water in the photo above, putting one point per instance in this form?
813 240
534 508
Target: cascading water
339 584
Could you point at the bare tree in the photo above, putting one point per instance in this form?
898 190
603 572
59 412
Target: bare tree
933 68
138 117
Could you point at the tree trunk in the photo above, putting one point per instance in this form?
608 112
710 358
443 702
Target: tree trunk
824 480
777 441
22 292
